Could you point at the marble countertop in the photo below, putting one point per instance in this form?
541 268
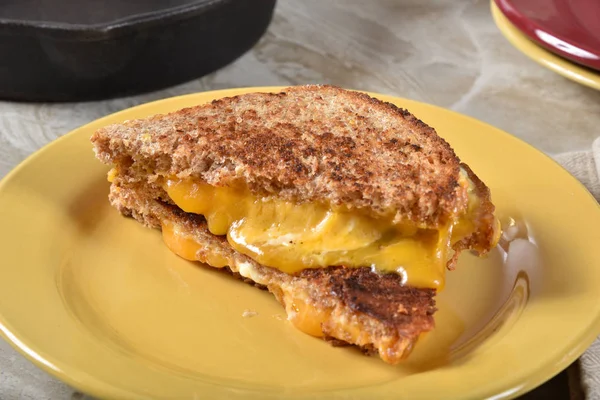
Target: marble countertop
445 52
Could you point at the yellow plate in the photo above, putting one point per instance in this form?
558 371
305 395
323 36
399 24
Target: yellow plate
97 300
564 67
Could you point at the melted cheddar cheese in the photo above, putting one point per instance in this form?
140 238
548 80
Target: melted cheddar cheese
292 237
306 318
188 248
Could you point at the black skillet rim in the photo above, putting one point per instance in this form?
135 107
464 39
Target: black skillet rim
108 30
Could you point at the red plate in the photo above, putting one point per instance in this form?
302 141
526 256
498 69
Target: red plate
569 28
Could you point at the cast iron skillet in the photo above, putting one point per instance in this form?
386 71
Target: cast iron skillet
67 50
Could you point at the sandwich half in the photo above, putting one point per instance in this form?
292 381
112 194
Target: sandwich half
348 209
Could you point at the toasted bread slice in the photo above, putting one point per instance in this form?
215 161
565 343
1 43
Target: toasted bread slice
309 145
306 144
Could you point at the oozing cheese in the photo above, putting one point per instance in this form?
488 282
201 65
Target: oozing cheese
188 248
306 318
292 237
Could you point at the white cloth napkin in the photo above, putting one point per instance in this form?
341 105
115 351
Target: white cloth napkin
585 166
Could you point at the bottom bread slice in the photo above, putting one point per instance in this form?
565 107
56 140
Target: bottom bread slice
352 306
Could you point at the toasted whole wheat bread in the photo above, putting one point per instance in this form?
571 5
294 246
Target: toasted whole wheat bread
307 144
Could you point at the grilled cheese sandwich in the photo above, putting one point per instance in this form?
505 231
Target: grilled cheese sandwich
347 209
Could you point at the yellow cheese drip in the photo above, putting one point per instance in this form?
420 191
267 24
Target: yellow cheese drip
292 237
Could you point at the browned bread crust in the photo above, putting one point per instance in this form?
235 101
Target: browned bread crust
485 224
372 311
307 143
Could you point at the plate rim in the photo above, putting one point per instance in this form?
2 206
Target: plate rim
566 68
100 388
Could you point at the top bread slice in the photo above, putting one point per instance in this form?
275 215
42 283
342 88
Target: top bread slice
306 144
